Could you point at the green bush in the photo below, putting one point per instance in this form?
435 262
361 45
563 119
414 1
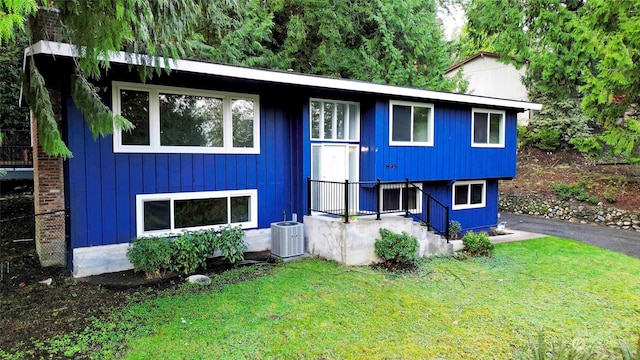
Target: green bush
563 191
396 248
151 255
477 244
230 242
610 195
545 139
189 251
576 190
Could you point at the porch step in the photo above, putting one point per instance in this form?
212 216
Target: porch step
430 242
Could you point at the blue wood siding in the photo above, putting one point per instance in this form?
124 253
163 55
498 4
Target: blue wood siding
450 158
480 219
102 186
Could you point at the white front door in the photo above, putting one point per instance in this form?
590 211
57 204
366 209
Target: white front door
334 163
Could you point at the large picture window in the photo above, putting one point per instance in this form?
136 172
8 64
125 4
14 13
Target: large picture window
469 194
392 198
177 120
335 120
410 123
487 128
171 213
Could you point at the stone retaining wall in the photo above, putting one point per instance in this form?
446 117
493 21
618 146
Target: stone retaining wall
572 210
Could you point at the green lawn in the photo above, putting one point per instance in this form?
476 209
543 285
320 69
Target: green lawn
476 308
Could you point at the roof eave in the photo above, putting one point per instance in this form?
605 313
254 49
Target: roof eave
67 50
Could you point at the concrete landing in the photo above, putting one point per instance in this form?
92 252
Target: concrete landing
515 235
511 236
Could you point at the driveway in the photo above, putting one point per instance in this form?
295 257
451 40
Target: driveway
624 241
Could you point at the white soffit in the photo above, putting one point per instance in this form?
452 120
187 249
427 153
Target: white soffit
67 50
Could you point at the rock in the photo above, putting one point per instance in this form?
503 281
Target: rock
199 279
47 282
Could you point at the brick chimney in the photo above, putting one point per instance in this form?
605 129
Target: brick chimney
48 174
45 25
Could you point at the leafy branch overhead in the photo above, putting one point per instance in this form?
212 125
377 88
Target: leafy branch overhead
385 41
40 102
99 117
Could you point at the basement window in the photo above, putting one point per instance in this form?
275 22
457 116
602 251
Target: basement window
392 198
171 213
469 194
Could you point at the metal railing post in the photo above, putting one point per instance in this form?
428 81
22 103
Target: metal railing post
429 209
446 225
378 199
405 197
308 195
346 201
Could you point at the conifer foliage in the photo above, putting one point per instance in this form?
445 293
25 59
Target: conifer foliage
579 52
385 41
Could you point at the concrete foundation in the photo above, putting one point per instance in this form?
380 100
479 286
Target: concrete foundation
97 260
353 243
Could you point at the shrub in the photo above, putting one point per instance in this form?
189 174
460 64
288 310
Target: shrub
610 195
593 200
396 248
477 244
544 139
151 255
189 251
576 190
454 229
230 242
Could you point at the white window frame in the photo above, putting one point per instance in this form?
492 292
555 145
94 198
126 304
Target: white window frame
468 205
502 127
171 197
401 186
334 132
154 120
430 125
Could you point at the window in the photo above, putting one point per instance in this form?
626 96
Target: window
176 120
469 194
392 198
410 123
487 128
169 214
335 120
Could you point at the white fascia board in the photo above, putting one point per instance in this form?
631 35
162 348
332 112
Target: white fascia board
67 50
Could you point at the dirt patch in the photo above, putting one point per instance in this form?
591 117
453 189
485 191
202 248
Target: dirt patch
616 186
30 311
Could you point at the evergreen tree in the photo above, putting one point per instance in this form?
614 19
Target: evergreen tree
583 64
385 41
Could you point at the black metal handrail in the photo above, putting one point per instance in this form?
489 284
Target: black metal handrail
346 199
16 156
436 213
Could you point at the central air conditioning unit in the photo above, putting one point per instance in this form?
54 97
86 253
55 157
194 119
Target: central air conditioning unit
287 239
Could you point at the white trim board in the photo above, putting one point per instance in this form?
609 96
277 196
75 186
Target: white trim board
281 77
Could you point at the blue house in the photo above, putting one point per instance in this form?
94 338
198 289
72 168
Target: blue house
218 144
